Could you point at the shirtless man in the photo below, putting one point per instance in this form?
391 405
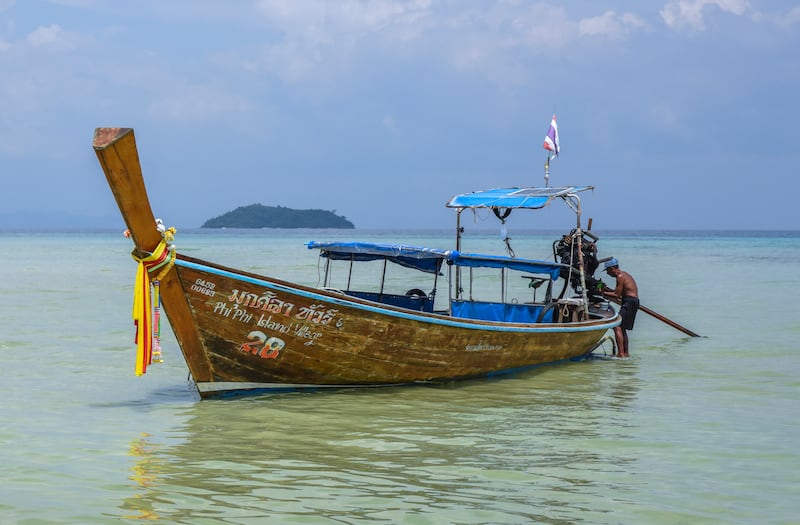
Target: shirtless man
628 294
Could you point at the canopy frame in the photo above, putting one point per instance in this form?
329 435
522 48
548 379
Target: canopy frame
529 198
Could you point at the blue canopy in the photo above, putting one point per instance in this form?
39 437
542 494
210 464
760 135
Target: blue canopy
473 260
425 259
429 259
528 198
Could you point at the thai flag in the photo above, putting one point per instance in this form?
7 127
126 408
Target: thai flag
551 139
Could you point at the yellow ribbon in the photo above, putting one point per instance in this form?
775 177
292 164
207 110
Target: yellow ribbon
143 303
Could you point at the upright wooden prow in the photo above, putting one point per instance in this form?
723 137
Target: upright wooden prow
116 151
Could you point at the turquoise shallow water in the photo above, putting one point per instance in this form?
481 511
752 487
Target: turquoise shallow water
687 431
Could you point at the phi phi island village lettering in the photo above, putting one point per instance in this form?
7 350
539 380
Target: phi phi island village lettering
233 312
277 318
296 329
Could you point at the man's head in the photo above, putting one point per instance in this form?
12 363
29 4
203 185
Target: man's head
611 267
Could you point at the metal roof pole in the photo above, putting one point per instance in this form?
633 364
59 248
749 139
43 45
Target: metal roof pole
383 278
327 271
350 273
459 231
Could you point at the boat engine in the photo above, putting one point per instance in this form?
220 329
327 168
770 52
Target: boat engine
565 251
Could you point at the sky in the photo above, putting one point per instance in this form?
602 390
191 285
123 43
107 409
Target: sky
677 111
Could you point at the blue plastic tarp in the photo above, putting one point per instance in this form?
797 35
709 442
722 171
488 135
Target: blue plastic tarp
504 312
497 261
528 198
429 259
420 258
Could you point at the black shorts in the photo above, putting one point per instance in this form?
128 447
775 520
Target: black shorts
630 305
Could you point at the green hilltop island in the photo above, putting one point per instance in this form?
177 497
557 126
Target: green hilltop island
260 216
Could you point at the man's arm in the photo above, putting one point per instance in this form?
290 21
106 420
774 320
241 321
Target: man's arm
609 292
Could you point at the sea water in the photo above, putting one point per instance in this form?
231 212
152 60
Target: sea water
689 430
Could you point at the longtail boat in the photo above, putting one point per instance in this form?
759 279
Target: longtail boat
241 332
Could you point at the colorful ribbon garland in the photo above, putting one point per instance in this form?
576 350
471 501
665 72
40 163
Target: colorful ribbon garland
162 256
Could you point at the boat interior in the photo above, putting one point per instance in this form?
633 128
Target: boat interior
525 291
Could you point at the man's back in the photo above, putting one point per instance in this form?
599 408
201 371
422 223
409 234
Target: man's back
626 286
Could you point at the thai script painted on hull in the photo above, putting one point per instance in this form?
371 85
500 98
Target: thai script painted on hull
270 302
275 317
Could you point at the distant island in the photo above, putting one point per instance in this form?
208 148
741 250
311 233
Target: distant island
260 216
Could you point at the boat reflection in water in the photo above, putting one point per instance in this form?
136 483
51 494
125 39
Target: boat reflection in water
533 447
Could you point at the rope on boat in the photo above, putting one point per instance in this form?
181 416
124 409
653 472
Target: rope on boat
602 342
503 215
148 329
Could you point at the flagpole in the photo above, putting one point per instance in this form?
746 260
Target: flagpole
547 172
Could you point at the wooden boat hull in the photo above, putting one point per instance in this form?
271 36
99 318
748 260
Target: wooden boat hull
259 333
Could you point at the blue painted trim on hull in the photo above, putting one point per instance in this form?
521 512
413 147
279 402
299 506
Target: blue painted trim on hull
393 313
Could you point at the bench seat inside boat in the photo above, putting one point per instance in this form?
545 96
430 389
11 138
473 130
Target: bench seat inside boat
412 302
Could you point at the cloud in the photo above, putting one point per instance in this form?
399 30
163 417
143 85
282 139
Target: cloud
351 17
53 37
611 25
43 36
195 103
43 79
481 37
791 18
83 4
315 34
781 20
689 13
494 39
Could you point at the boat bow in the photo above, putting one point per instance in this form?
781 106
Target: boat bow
119 158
